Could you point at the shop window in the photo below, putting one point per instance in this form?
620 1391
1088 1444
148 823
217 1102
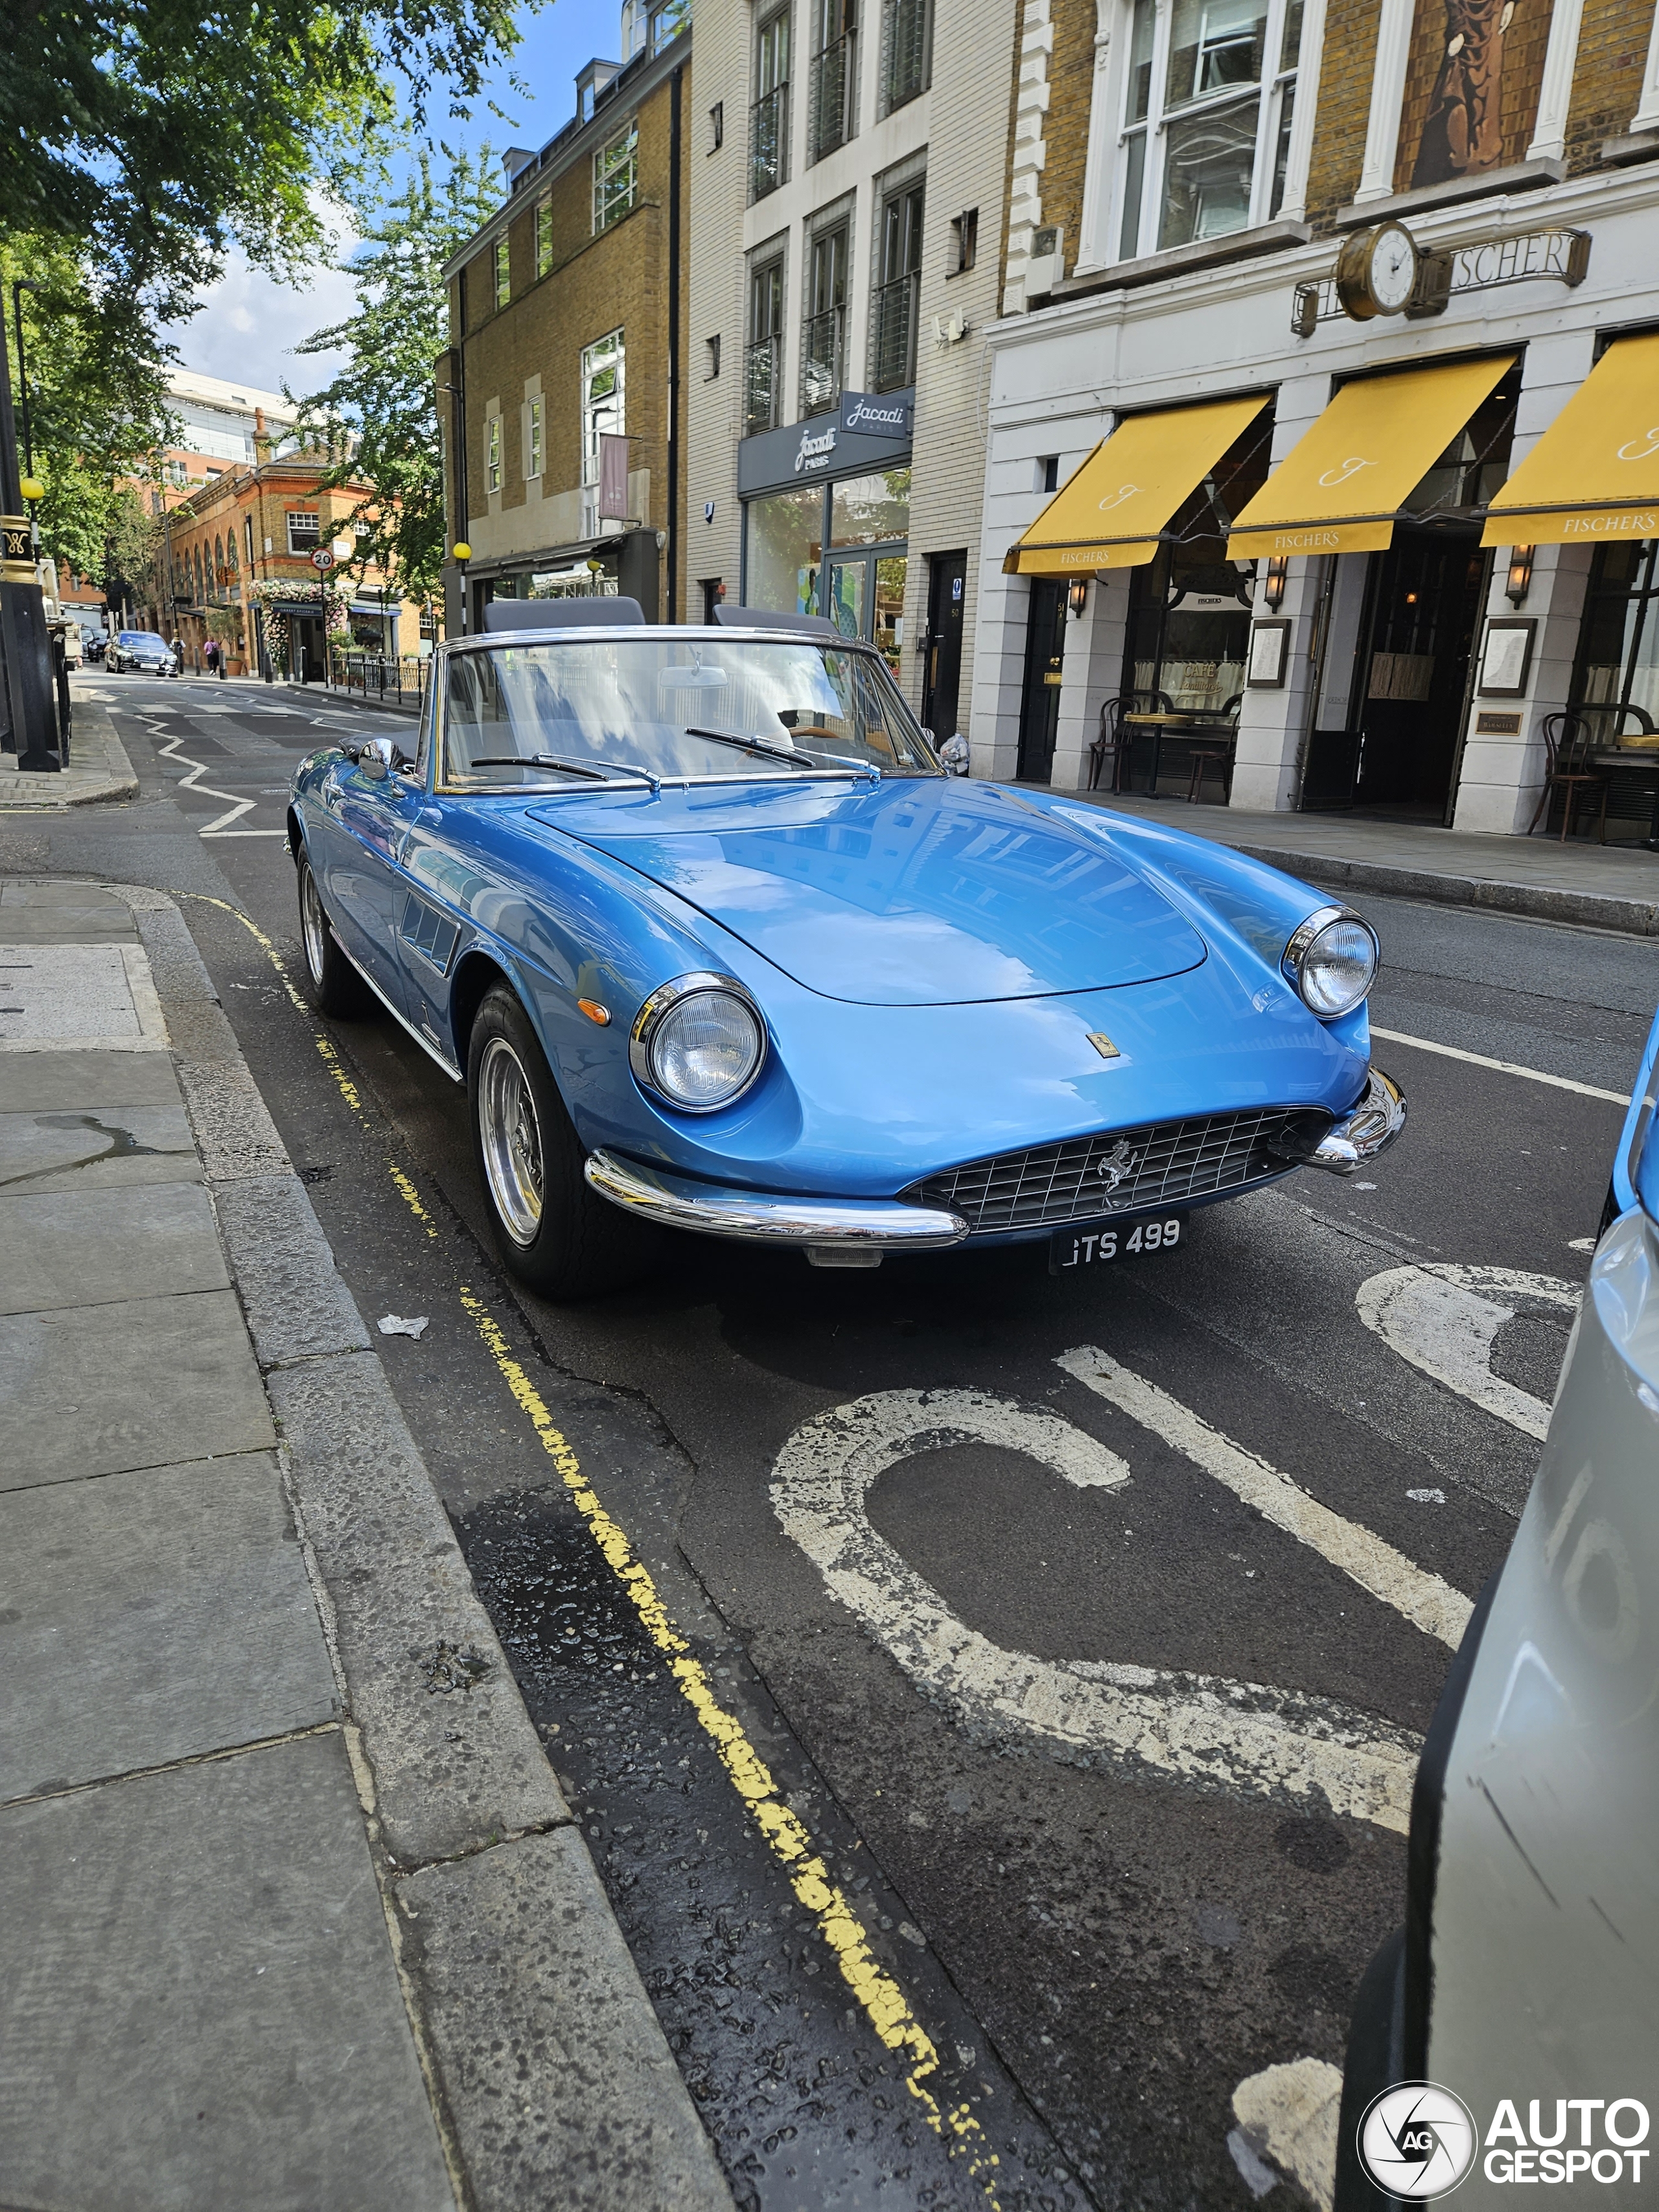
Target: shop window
898 290
823 340
616 178
832 83
1208 97
533 463
303 531
493 454
769 115
544 237
1617 681
763 373
503 272
907 51
603 399
785 550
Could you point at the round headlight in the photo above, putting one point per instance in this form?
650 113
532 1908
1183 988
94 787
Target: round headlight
698 1043
1332 960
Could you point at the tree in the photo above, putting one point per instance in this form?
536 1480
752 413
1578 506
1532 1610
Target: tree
380 413
153 133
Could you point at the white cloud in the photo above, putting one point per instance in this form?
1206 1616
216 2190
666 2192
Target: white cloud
247 325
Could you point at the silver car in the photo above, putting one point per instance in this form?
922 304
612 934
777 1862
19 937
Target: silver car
1525 1983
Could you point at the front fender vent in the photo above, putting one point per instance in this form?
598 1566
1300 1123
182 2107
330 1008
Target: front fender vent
1115 1171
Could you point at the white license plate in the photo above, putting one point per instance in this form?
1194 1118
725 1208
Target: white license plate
1114 1240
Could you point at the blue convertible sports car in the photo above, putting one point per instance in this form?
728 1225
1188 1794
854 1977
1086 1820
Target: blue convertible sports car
714 945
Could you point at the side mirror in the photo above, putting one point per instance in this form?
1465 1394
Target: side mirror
378 758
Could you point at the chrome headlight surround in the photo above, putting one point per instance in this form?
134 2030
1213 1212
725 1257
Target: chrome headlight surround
646 1035
1301 962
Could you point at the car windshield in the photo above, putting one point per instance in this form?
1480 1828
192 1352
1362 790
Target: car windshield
688 705
141 637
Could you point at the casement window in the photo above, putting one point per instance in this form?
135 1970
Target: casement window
769 116
898 291
544 237
762 393
907 51
616 178
303 533
493 454
823 340
503 273
1205 128
830 120
248 533
964 242
603 398
533 461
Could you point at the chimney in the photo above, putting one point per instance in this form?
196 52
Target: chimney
261 439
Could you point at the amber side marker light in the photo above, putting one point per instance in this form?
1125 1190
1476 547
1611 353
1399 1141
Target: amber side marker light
594 1011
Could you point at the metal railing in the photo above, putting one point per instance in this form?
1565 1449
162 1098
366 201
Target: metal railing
894 350
398 677
905 51
763 374
769 141
830 116
823 342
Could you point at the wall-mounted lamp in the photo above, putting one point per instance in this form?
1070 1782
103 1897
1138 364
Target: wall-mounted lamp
1279 567
1520 576
1078 597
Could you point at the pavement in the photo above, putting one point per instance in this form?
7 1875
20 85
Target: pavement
99 770
1580 883
292 1911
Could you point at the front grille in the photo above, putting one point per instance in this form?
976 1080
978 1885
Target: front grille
1119 1171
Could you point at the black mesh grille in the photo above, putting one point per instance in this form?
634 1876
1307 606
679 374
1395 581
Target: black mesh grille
1119 1171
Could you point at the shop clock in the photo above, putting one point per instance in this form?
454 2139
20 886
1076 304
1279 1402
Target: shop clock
1376 272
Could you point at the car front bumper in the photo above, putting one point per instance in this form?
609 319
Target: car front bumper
1368 1126
834 1231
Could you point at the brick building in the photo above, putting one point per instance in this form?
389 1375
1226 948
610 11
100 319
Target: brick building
567 320
236 563
845 193
1353 525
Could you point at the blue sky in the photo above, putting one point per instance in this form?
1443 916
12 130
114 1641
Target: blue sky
247 325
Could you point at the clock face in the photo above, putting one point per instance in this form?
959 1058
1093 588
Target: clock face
1393 268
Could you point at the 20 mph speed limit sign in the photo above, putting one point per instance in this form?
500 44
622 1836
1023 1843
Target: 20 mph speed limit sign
322 558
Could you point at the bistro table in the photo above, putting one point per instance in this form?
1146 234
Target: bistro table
1632 773
1217 731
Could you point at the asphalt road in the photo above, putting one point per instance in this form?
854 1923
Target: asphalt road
1038 1691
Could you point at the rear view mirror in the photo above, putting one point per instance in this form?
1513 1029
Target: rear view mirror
693 679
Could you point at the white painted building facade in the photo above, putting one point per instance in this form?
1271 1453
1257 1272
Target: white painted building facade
1194 323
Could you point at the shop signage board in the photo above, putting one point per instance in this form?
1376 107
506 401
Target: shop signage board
869 431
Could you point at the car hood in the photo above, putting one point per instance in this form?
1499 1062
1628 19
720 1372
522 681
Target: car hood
916 892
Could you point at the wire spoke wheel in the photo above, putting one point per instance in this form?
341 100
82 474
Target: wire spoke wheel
510 1139
314 925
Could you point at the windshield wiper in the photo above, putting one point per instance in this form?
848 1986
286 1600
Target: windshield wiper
790 756
598 774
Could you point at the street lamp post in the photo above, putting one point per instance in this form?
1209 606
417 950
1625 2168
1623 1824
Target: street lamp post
23 639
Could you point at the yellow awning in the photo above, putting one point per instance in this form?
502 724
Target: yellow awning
1339 488
1595 473
1109 513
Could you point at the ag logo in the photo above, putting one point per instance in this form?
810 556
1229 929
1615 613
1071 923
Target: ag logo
1418 2141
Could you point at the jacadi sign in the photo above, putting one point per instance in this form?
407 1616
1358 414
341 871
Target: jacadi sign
869 431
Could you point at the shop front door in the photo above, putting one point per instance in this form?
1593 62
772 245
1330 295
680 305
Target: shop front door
1039 701
1426 593
947 582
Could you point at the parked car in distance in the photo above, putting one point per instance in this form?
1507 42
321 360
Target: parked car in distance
141 652
1528 1966
715 945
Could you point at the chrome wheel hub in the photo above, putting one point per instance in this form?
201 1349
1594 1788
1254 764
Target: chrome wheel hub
510 1139
315 926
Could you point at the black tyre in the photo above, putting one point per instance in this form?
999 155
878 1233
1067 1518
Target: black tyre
554 1233
332 983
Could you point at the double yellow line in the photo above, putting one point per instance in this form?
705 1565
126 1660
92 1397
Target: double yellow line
884 2003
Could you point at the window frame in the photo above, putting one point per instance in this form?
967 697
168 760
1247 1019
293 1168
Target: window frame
534 456
1136 206
492 452
502 270
773 41
594 363
304 544
544 235
618 157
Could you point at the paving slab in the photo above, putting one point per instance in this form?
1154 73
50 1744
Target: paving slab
80 1081
66 924
91 1247
69 891
548 2046
93 996
152 1617
114 1149
141 1382
198 2006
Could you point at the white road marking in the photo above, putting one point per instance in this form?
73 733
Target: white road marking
1503 1067
219 827
1445 1320
1424 1600
1290 2113
1243 1736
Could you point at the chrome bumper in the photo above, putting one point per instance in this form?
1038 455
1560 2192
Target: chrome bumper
835 1231
1364 1130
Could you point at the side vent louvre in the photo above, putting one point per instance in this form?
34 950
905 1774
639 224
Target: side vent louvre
427 931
